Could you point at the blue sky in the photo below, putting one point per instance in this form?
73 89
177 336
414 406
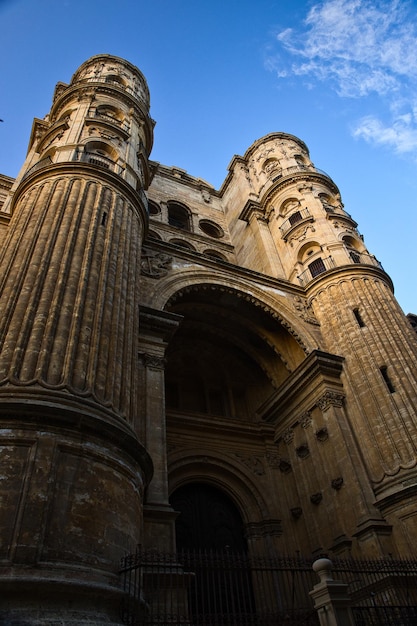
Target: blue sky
339 74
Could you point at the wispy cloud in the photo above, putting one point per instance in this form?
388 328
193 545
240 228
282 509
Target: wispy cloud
359 48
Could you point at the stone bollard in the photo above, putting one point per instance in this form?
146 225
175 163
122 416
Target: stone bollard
331 598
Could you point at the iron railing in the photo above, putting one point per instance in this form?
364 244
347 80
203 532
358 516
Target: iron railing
364 257
295 219
293 169
315 268
208 588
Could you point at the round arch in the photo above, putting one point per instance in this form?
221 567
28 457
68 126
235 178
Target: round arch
273 301
226 475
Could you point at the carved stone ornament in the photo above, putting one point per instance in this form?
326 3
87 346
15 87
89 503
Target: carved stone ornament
253 463
155 264
316 498
337 483
152 361
302 451
330 398
206 196
265 528
296 512
273 460
300 233
285 466
305 311
305 419
288 435
322 434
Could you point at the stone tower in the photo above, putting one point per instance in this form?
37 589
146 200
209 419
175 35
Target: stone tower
70 455
295 214
189 367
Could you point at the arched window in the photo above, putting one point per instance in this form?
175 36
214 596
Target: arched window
154 208
182 244
99 153
178 216
114 78
213 254
109 113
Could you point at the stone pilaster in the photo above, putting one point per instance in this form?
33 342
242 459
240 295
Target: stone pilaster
156 329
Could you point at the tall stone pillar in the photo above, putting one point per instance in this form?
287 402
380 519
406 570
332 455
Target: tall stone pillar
72 466
156 329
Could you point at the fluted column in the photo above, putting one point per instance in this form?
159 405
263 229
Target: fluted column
69 294
384 421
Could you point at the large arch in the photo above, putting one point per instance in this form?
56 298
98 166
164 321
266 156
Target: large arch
228 357
279 304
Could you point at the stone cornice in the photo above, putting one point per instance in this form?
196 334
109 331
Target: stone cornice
77 168
229 268
345 272
36 408
158 323
302 390
289 180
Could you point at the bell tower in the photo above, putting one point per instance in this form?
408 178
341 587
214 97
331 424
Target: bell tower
73 468
304 235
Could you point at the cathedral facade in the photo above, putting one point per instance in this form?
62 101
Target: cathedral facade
182 366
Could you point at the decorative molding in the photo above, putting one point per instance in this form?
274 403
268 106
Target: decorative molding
288 436
265 528
330 398
152 361
253 463
300 233
273 460
305 419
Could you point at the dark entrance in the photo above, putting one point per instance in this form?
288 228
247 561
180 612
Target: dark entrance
208 520
210 526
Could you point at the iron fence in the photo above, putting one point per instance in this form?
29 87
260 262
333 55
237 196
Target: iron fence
208 588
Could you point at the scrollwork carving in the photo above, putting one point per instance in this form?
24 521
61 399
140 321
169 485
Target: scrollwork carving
330 398
305 419
155 264
305 311
288 435
253 463
273 460
153 361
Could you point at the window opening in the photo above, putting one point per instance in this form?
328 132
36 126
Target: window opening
387 379
358 318
178 217
355 256
317 267
295 217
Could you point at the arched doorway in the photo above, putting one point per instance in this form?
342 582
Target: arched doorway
211 544
208 519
